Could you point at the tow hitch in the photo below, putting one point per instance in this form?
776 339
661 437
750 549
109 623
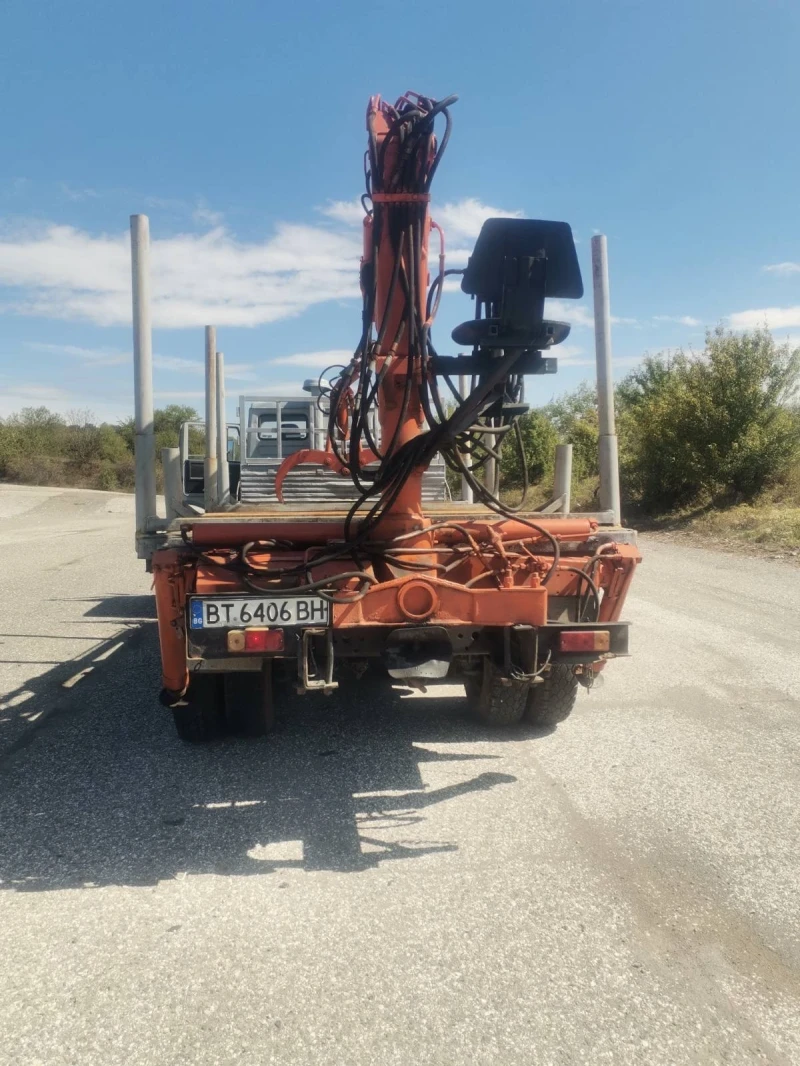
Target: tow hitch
422 652
310 677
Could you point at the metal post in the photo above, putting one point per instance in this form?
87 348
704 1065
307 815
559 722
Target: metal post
210 472
144 436
491 477
608 452
223 480
173 482
562 481
466 488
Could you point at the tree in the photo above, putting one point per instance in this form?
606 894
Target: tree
716 424
166 426
539 440
575 417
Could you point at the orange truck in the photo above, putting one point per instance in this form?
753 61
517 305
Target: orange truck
522 606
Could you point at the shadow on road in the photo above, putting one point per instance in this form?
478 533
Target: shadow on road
104 793
123 607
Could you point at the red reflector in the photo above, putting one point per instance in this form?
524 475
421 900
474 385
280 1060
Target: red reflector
263 640
584 640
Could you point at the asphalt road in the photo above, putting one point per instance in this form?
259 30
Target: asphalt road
382 881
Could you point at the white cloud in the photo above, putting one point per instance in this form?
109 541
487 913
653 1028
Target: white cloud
574 355
570 355
182 396
463 219
40 393
204 215
318 360
13 397
350 212
108 357
683 320
782 268
773 317
92 356
78 194
237 371
58 271
577 315
67 273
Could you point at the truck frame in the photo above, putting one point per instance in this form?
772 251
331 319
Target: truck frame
291 578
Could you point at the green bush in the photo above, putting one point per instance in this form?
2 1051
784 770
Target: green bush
710 426
575 417
37 470
539 439
38 447
125 472
107 478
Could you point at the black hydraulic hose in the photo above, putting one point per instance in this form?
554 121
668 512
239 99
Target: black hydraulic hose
595 591
321 586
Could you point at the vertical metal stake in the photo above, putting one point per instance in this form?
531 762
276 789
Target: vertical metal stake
466 488
173 482
210 472
562 482
144 436
223 479
608 453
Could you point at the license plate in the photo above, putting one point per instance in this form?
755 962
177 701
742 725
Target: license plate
233 612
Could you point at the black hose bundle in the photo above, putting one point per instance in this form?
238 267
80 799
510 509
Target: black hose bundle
474 426
470 426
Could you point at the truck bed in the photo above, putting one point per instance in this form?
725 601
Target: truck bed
326 518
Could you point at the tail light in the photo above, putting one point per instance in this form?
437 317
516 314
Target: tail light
584 640
255 640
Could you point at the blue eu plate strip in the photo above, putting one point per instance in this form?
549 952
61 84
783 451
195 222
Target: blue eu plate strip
196 614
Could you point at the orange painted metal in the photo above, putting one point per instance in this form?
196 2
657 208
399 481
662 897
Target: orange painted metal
322 457
169 579
418 600
398 425
511 529
454 605
622 566
312 531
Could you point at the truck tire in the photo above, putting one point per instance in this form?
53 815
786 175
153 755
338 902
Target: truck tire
249 707
494 703
553 700
198 715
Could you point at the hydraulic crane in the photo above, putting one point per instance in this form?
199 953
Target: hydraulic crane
522 606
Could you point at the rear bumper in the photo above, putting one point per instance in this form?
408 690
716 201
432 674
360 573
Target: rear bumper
207 649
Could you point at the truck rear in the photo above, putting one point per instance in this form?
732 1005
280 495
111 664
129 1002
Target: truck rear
338 549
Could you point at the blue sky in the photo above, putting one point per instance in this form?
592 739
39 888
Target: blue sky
239 129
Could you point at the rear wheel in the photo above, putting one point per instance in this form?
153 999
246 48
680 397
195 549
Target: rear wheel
249 706
494 702
552 701
198 715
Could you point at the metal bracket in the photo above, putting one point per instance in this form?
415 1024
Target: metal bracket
305 681
530 673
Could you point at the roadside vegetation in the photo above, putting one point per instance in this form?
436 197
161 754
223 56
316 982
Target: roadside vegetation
38 447
709 443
